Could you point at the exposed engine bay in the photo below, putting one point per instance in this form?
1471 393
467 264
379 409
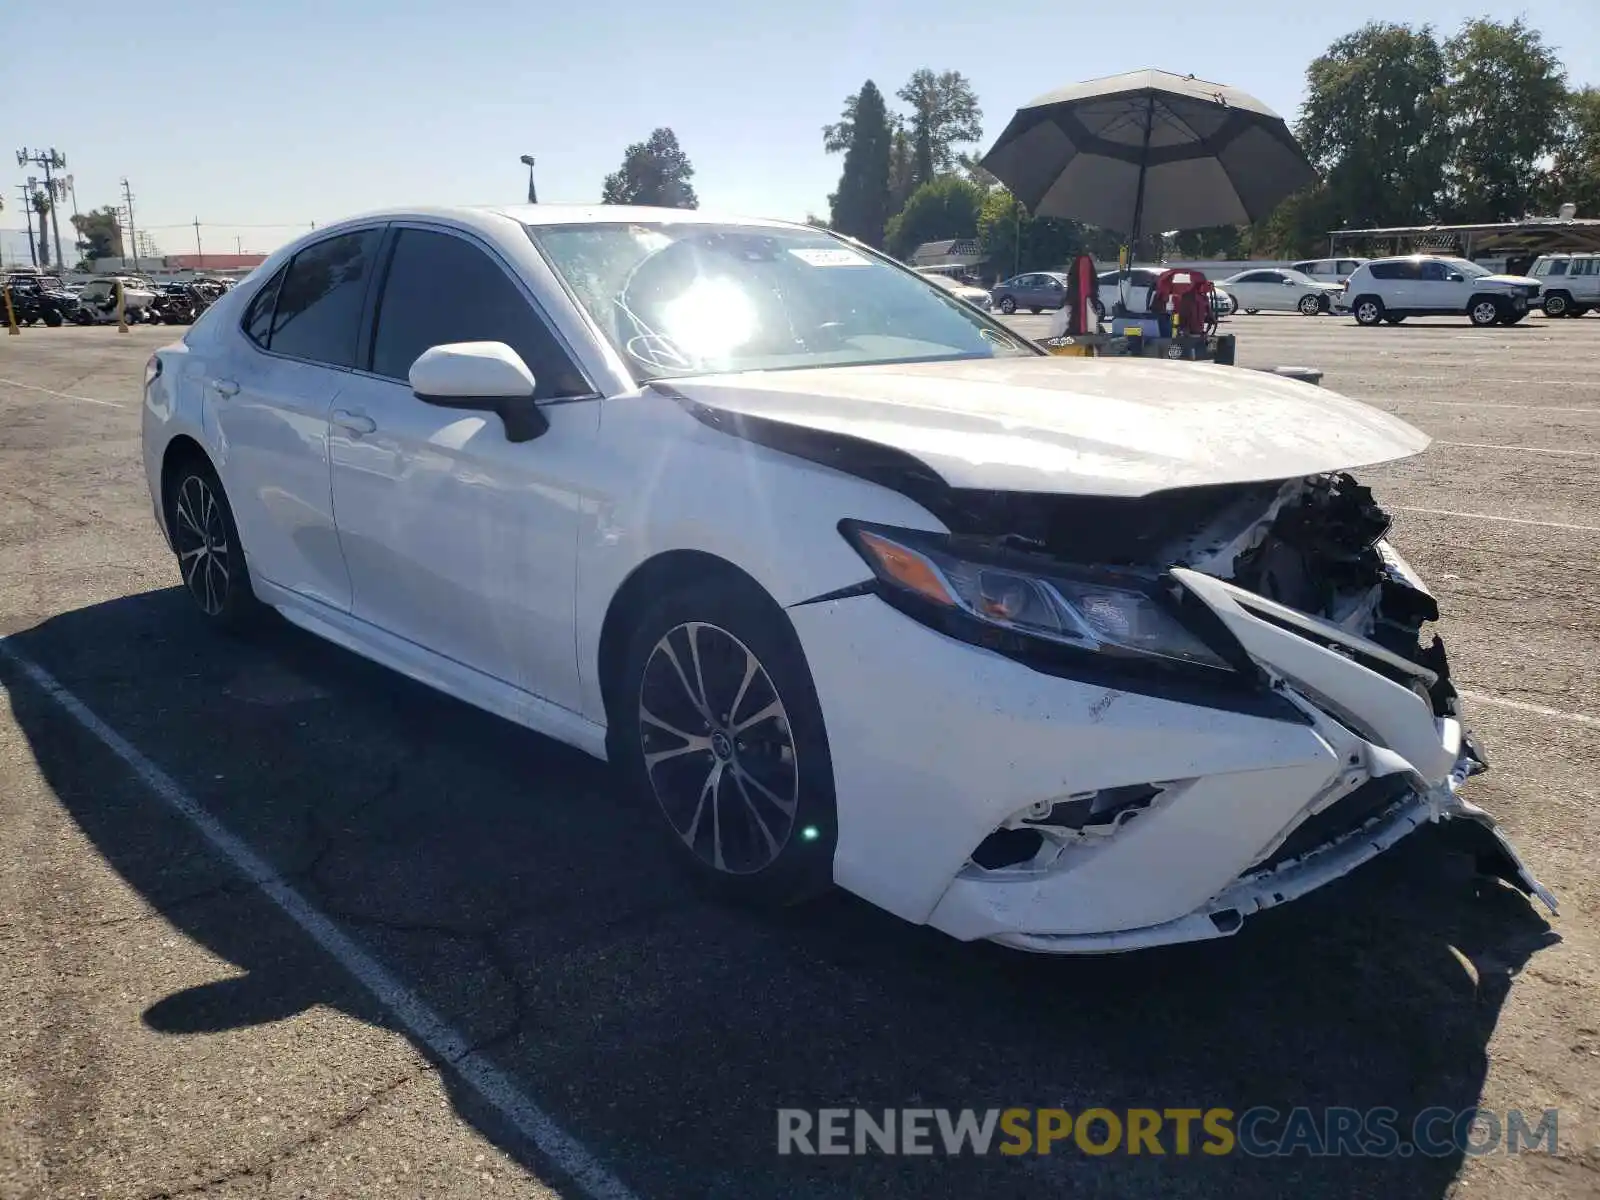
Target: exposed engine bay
1314 544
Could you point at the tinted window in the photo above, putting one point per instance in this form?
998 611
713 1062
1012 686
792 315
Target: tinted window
1559 267
1433 272
1583 266
1257 277
1394 270
258 317
441 289
1346 265
318 316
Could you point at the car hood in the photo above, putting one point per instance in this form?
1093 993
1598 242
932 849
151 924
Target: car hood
1111 427
1510 280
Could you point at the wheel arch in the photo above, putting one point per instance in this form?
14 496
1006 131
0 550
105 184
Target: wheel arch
655 577
180 451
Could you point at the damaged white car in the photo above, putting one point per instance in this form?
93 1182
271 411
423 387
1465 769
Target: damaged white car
853 583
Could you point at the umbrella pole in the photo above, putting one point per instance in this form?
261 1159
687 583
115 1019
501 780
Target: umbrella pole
1138 200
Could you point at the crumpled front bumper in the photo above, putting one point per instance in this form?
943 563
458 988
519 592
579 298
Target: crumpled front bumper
1258 891
937 744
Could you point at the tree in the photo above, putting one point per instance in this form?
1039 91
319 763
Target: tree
40 203
655 172
99 234
860 208
1575 175
945 208
1506 91
902 170
944 112
1375 122
1046 242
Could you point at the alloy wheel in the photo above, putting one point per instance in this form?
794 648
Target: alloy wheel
1309 305
1485 312
1368 313
200 536
718 748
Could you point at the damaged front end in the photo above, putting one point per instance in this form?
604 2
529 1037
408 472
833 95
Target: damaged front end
1282 600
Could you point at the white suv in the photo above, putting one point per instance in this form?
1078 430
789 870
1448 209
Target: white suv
1328 270
1427 285
1571 283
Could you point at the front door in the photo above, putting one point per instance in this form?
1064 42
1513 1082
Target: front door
458 540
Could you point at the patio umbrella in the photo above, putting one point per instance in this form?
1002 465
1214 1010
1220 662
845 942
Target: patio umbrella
1149 150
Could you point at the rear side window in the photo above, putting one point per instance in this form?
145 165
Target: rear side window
318 314
1394 270
258 317
1583 266
440 289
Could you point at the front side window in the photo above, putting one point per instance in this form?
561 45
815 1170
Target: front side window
441 289
318 313
1435 272
1558 267
683 299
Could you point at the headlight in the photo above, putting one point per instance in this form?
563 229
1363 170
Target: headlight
1103 611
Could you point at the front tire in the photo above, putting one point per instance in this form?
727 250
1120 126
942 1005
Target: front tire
206 541
1484 311
1007 305
720 732
1368 310
1556 304
1309 305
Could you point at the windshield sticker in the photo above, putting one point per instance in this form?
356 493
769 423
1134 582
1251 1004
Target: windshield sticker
818 257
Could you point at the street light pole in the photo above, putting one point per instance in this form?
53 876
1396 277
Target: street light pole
533 196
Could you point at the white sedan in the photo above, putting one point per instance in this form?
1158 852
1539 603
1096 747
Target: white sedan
1282 290
850 583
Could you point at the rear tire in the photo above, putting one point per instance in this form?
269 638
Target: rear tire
1512 318
1036 311
1368 310
1252 311
1395 319
1579 310
53 319
717 726
210 556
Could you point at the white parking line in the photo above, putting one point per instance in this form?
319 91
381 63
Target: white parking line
1522 449
64 395
1549 408
1524 706
493 1085
1471 516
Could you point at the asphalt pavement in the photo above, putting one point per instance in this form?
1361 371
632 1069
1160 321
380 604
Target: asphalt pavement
496 982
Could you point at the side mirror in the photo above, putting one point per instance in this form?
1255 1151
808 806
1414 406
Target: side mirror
1455 278
482 377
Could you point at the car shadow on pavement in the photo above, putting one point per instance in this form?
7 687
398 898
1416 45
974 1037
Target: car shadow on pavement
500 878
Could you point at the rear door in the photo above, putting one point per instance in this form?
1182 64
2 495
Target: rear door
269 404
1584 281
458 540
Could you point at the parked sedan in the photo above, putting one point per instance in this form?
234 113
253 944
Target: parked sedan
1283 290
850 583
1035 292
961 291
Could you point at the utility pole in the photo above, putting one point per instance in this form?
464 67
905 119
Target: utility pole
127 196
27 216
533 196
49 160
238 245
197 250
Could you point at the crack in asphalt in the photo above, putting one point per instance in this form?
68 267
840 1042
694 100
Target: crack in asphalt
264 1166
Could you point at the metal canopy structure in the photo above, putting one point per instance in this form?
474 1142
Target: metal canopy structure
1548 235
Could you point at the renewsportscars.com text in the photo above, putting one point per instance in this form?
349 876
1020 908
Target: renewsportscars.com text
1257 1132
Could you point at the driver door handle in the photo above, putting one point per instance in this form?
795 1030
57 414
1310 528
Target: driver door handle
225 387
353 422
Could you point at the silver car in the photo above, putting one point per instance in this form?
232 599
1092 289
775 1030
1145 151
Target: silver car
1035 292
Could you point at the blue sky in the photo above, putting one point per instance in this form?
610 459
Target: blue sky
309 111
